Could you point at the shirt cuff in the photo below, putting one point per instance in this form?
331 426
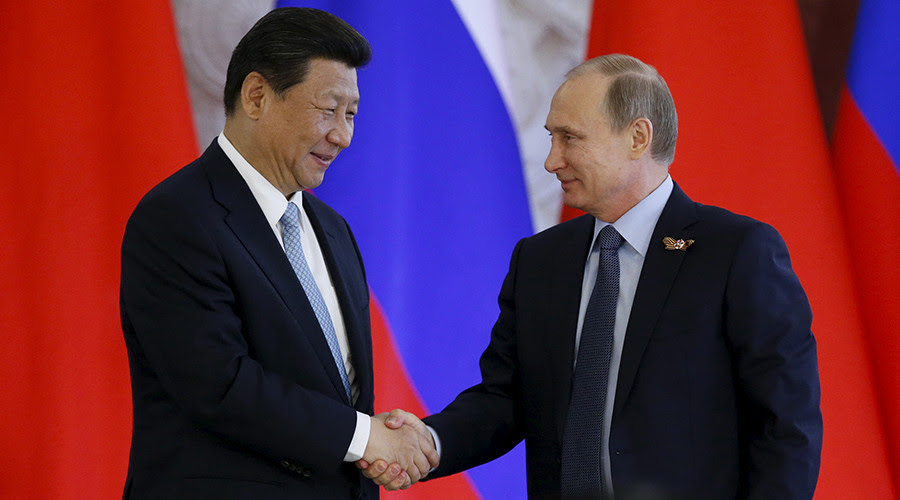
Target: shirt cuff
437 441
360 438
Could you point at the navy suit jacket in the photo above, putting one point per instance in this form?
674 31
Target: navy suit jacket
718 391
236 394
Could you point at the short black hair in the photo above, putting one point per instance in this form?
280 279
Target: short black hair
280 45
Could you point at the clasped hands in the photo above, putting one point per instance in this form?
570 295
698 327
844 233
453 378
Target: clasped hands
400 451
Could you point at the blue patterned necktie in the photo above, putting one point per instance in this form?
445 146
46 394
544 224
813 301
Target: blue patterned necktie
290 233
581 471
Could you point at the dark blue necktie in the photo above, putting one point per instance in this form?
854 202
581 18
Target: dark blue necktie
581 476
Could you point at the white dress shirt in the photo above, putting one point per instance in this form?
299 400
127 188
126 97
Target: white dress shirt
636 227
273 204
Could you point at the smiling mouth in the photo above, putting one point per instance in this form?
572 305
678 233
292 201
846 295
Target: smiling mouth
324 158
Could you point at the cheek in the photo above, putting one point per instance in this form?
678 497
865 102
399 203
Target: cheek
582 156
581 163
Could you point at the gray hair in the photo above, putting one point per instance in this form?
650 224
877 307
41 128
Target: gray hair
636 91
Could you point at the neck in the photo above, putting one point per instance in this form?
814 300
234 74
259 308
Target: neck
631 196
240 135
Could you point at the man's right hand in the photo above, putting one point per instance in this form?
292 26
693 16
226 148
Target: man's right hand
403 441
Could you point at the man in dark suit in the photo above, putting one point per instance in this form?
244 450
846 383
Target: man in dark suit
244 301
696 377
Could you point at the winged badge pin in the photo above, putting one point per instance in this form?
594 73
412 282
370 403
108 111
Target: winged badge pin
673 244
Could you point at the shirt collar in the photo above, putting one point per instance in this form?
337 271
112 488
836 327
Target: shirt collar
269 198
637 224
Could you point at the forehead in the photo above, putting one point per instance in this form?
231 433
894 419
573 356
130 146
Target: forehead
327 78
577 101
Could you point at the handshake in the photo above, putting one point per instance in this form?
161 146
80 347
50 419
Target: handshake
400 452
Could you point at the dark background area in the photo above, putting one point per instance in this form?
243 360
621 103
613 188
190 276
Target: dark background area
828 27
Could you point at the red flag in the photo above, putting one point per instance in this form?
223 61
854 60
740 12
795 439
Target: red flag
96 113
866 152
394 389
751 140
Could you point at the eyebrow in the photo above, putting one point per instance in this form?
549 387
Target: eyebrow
339 96
565 129
329 94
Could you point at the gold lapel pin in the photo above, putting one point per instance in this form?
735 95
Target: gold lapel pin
673 244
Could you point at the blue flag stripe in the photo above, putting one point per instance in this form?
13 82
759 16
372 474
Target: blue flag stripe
432 186
873 74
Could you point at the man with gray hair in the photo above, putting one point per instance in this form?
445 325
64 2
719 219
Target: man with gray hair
652 348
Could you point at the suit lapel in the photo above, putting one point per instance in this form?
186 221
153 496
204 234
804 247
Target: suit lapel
249 225
657 277
571 258
335 254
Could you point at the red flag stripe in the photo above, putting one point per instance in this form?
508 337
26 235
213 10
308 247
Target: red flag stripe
394 389
870 189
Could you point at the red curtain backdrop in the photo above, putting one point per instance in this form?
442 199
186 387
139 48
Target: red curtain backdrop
751 140
96 113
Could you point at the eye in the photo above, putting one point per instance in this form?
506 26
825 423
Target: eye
563 137
326 110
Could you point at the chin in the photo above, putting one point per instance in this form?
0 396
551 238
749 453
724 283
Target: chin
311 183
572 202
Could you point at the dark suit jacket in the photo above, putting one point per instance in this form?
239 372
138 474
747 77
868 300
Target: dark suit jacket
717 394
236 394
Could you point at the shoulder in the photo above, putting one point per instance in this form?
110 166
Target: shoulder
725 224
189 183
681 210
561 244
182 201
720 235
739 243
186 183
711 222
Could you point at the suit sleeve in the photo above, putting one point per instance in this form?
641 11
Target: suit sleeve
485 421
768 325
187 332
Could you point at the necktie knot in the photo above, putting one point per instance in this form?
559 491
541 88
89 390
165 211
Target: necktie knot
609 238
291 216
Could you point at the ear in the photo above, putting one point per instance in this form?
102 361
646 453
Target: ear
253 94
641 137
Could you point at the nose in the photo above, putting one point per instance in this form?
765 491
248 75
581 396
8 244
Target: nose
555 160
341 134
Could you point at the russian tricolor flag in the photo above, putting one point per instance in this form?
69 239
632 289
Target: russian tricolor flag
433 188
866 154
